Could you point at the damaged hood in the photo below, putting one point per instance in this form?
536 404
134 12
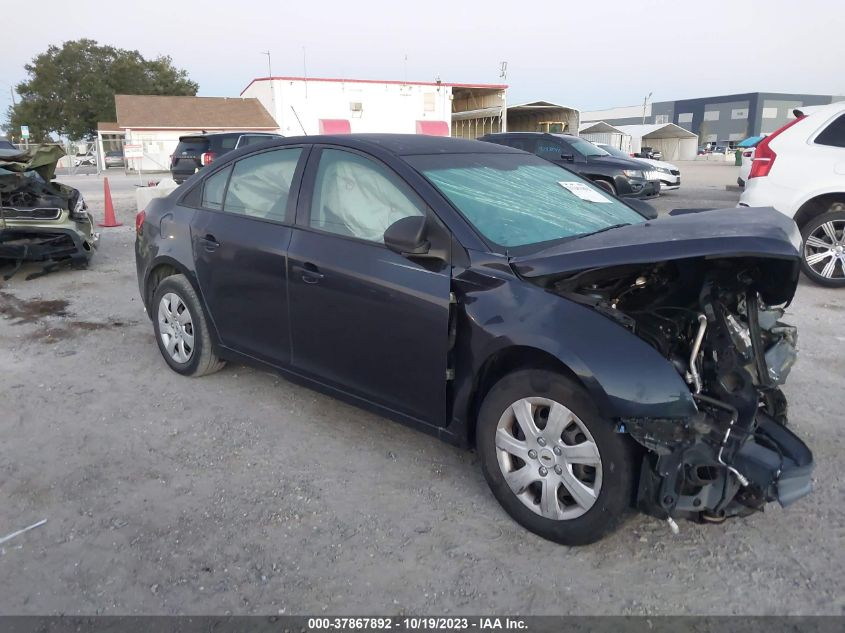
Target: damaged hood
745 232
16 166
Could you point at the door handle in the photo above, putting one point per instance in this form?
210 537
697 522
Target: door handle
310 273
210 242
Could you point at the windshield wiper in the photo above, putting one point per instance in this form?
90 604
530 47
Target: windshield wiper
607 228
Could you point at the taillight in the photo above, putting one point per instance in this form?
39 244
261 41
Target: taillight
207 158
764 156
139 220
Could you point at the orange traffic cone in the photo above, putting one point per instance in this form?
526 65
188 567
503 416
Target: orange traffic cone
109 220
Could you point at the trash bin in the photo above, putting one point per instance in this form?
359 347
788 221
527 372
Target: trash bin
738 156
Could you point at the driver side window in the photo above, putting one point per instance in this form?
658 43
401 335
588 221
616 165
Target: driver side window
549 149
358 197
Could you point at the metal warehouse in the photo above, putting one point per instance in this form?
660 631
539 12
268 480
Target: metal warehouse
723 120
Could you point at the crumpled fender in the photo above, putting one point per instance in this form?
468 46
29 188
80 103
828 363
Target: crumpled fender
625 376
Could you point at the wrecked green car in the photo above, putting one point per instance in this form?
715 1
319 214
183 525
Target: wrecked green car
41 220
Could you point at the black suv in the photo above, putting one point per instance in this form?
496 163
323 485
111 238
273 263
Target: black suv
198 150
621 177
649 152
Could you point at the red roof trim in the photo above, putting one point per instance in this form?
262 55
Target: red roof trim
253 128
378 81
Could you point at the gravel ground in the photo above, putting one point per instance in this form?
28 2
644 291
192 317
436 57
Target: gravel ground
243 493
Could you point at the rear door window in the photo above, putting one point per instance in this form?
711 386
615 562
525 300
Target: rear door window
260 184
214 189
221 144
833 134
526 144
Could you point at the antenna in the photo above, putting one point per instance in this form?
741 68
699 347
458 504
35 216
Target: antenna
405 70
269 67
304 74
503 70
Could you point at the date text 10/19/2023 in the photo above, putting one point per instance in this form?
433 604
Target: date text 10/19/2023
420 623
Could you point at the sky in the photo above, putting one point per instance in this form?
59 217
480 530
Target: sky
588 55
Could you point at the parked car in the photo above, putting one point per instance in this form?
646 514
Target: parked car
88 159
114 158
494 299
5 144
198 150
623 177
650 153
41 220
668 174
745 166
800 171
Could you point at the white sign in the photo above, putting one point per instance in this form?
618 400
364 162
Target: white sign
24 131
133 151
584 191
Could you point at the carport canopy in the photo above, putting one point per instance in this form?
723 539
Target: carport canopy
598 127
604 132
673 141
543 116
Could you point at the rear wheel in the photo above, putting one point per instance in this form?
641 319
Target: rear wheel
181 330
823 256
606 185
552 462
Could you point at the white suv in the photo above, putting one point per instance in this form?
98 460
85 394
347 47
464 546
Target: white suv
800 171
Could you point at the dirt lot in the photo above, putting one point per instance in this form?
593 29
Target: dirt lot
243 493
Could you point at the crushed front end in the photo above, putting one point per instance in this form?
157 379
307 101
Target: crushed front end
41 220
718 322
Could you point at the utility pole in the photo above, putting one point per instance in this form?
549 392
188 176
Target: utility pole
645 103
12 92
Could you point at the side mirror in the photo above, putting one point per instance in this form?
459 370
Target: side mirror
643 208
407 236
568 157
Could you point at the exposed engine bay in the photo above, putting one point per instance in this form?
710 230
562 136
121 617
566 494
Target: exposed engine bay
718 322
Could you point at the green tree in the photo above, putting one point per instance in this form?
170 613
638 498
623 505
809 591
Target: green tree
72 87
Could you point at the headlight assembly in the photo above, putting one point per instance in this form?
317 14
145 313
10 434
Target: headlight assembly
633 173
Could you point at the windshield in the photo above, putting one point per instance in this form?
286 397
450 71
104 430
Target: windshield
613 151
585 148
516 200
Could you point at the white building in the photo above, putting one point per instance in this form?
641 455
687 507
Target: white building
155 122
310 106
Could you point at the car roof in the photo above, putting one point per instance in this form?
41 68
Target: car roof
568 137
213 135
400 144
828 108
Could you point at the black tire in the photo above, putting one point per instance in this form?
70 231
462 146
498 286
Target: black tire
835 215
616 454
606 185
202 360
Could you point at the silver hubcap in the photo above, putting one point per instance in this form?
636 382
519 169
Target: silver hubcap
176 327
548 458
824 249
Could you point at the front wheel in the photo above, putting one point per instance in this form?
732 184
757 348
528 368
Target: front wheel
823 256
607 186
553 463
